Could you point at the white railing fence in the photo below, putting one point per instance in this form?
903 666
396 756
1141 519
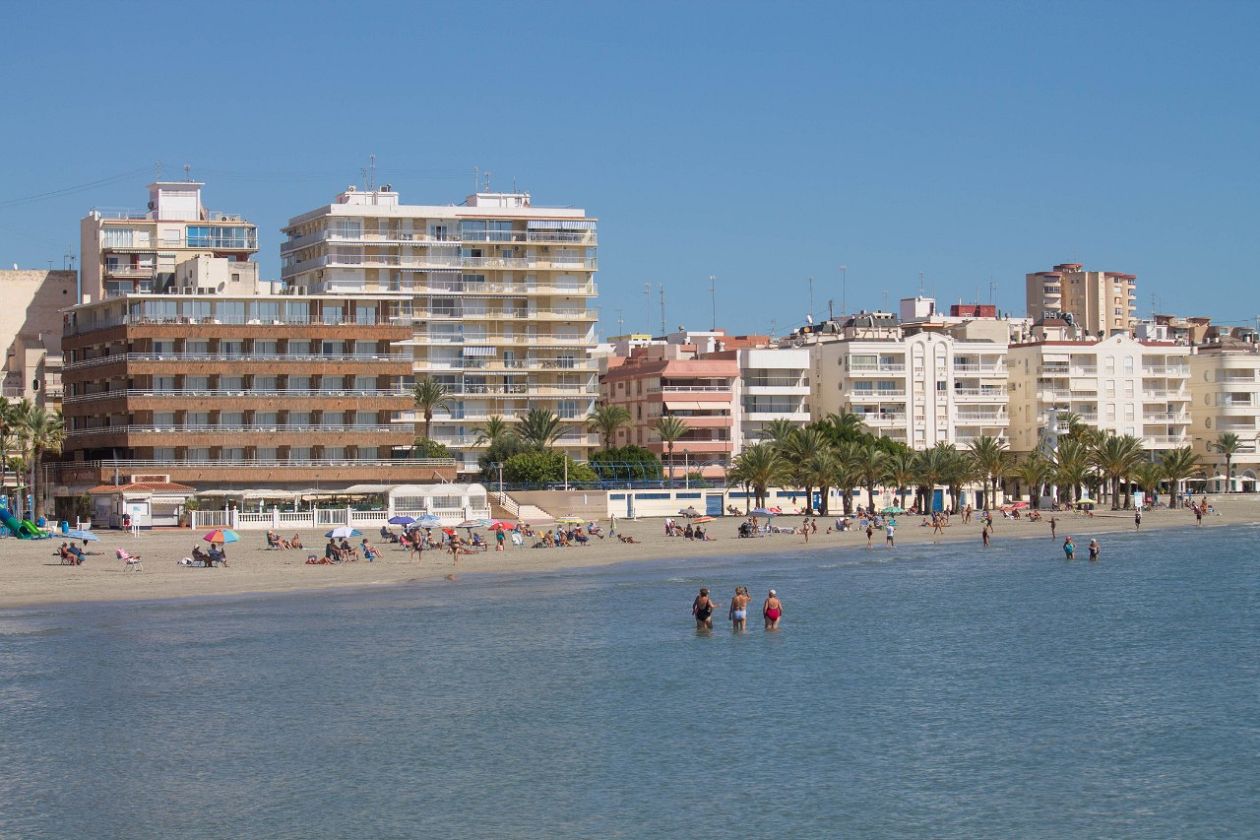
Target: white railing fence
322 518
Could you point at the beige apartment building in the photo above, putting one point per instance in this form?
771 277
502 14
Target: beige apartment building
499 299
1225 393
1102 303
30 332
1117 384
127 251
921 390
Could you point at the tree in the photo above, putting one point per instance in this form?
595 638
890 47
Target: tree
846 426
848 455
930 467
1228 445
959 469
606 420
539 429
1070 466
670 429
626 463
498 453
901 472
1148 475
430 395
544 467
991 459
425 448
777 431
1033 471
9 419
1179 464
45 432
494 429
1115 456
796 450
820 471
759 466
871 467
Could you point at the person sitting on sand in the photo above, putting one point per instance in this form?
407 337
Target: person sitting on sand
369 553
347 551
626 538
332 552
76 553
296 542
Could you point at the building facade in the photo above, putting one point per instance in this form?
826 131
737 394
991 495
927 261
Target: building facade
240 391
921 390
137 251
1103 303
499 300
773 384
668 380
1225 398
30 332
1118 384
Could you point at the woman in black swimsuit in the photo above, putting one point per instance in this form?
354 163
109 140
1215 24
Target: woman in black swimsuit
702 610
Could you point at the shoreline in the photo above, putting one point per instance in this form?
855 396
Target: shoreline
31 575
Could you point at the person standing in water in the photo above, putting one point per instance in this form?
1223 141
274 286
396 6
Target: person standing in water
1054 523
870 533
772 611
738 613
702 610
1069 548
984 534
889 534
1094 549
1137 520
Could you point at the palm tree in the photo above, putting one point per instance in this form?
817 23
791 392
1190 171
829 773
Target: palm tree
960 469
1228 445
760 467
777 431
848 454
1033 471
670 429
1179 464
44 433
606 420
493 430
991 459
1115 456
871 467
820 471
9 422
901 471
1070 466
796 450
430 395
1148 475
539 429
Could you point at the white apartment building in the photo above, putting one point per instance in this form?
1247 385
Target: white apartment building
1225 397
1118 384
500 299
922 390
126 251
773 384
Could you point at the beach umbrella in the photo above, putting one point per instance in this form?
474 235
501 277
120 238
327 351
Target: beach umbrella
893 509
689 511
222 535
429 521
474 523
700 520
764 512
86 536
343 532
1085 500
400 520
450 532
500 525
1019 505
570 520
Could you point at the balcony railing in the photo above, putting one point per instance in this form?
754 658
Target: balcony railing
1165 395
207 428
240 393
877 368
996 370
1152 441
425 262
1165 370
980 393
240 358
691 389
129 271
878 395
149 465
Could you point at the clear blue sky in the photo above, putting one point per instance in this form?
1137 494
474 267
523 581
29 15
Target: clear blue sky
763 143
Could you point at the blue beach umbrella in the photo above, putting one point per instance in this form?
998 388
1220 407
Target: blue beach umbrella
343 532
400 520
429 521
763 512
86 536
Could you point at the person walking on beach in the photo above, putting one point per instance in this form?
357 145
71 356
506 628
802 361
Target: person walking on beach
1137 520
772 611
702 610
499 540
805 530
1069 548
1053 524
889 531
738 613
1094 550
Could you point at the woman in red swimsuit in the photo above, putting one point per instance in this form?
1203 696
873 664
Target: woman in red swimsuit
772 611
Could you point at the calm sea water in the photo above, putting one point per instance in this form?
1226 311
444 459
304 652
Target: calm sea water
932 692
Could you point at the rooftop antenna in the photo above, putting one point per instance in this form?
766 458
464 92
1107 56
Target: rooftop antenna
621 324
921 286
476 178
187 172
992 290
485 180
886 299
713 298
647 300
811 300
371 174
831 310
844 289
157 170
662 288
513 184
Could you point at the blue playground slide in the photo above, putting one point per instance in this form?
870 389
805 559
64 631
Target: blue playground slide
23 529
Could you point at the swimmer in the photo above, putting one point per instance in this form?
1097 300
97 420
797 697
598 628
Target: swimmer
702 610
772 611
738 612
1094 549
1069 548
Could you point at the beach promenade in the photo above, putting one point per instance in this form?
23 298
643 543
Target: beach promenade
31 573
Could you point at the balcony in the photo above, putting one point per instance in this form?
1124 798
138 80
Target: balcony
240 393
980 394
428 262
691 389
207 428
1165 370
986 370
1165 441
238 358
264 472
886 419
876 369
876 396
131 272
981 419
1175 396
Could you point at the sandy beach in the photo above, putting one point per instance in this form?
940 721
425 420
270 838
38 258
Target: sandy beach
31 573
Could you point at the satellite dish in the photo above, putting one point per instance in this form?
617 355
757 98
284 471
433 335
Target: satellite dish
809 319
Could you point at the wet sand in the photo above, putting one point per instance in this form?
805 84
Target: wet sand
31 573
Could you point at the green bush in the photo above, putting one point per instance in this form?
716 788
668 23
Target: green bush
626 463
426 448
543 468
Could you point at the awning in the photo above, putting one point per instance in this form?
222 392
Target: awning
690 406
560 224
478 351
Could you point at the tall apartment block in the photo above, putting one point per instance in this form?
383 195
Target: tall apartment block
1117 384
137 251
1102 303
1225 391
921 390
498 292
